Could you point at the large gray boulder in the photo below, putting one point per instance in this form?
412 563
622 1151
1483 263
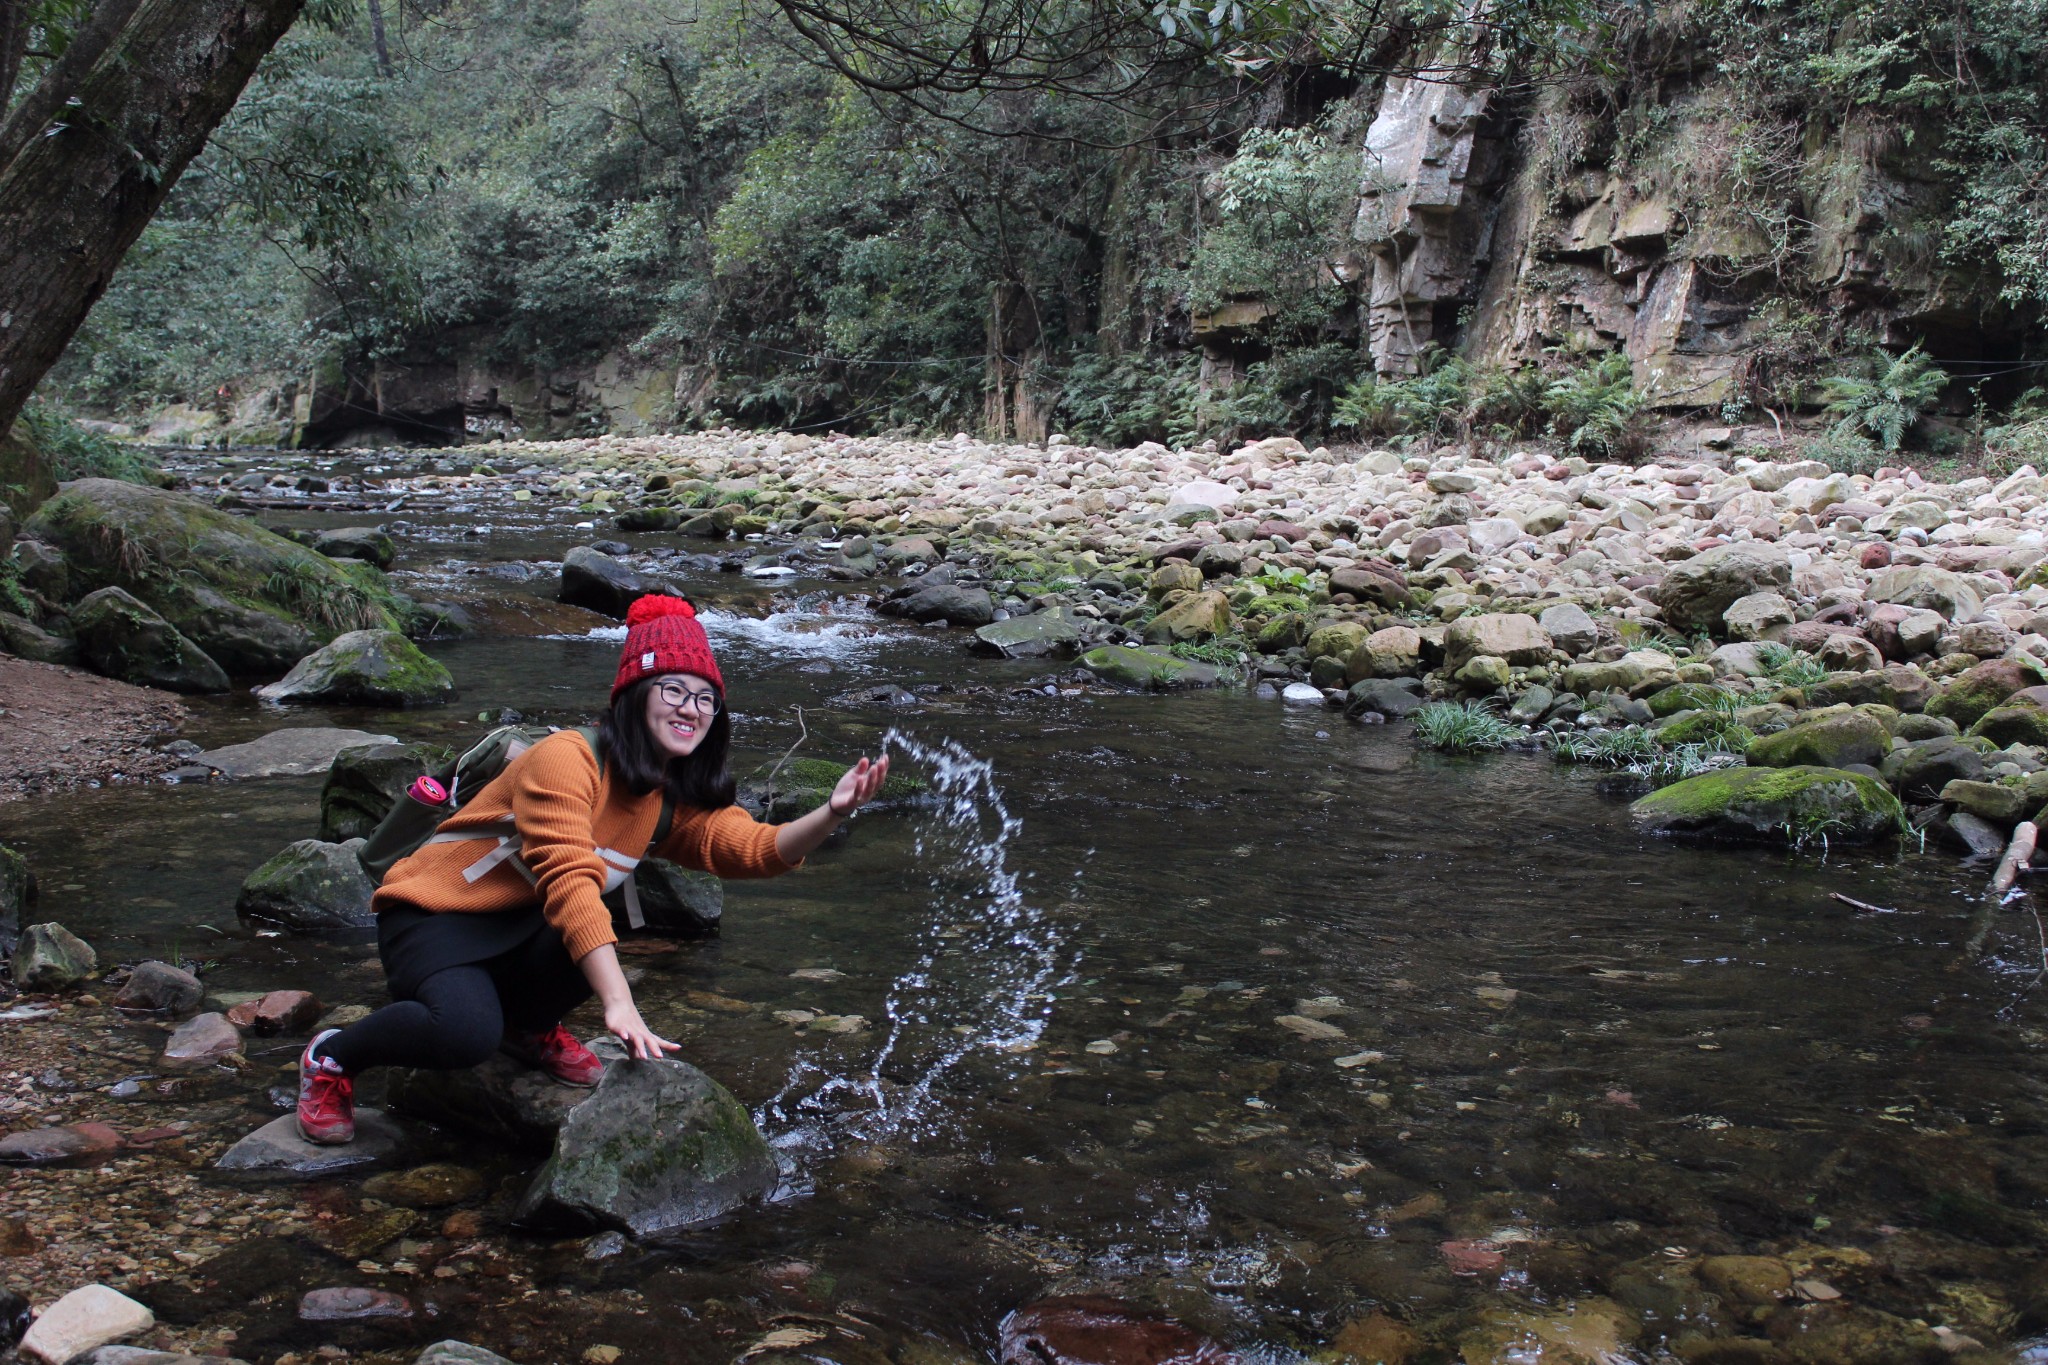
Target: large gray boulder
311 887
252 600
1570 628
50 957
593 579
288 753
1696 592
1782 805
948 602
1927 588
25 639
1837 741
1921 769
1036 636
365 543
122 638
277 1148
1149 669
365 668
1499 634
365 781
499 1100
657 1146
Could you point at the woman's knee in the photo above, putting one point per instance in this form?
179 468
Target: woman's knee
466 1020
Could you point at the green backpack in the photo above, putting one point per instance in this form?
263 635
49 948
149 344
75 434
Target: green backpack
411 825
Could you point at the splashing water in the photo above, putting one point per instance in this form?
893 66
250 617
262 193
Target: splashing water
806 630
983 981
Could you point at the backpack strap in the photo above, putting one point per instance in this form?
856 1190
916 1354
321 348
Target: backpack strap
630 892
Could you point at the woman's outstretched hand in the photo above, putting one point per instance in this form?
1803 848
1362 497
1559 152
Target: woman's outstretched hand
622 1020
861 784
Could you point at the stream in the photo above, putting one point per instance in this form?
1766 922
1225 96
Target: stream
1213 1003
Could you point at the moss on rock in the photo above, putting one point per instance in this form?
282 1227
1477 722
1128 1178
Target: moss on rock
1789 805
1827 742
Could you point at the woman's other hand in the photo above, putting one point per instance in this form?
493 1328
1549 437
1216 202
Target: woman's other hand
861 784
622 1020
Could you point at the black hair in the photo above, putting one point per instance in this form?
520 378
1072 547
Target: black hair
702 779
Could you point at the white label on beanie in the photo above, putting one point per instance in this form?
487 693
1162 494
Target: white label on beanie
647 661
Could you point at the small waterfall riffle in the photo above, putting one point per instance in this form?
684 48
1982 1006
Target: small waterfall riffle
981 986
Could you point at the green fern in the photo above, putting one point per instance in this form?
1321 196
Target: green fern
1888 400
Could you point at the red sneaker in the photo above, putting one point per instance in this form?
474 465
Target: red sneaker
556 1052
327 1097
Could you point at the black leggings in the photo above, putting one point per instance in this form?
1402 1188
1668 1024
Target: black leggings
458 1016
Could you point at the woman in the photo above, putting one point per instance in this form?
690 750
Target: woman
493 930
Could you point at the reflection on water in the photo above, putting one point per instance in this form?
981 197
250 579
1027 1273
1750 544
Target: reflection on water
1320 1006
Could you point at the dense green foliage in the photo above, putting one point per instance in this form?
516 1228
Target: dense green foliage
533 186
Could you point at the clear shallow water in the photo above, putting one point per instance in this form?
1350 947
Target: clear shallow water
1594 1051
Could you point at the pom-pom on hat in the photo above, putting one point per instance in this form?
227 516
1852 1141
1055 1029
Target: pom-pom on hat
663 635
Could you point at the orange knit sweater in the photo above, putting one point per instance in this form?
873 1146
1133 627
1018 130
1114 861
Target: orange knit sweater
564 818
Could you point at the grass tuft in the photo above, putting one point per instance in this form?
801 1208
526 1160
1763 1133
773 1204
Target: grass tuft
1463 727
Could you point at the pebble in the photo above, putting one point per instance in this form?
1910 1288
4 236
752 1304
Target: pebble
351 1305
202 1040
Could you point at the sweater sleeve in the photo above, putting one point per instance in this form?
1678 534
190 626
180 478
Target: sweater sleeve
553 806
727 843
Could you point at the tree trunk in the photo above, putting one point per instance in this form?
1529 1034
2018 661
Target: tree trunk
377 39
13 46
74 201
50 95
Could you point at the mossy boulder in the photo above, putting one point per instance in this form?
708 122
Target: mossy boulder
1695 593
50 957
1827 742
1289 630
1149 669
365 781
2007 725
1977 691
1035 636
364 543
1919 770
122 638
310 887
1688 697
1787 805
951 603
1702 727
254 601
658 1146
1994 802
1337 640
802 785
676 902
365 668
1194 617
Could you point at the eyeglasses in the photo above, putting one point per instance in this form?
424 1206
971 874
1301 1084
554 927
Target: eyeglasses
681 698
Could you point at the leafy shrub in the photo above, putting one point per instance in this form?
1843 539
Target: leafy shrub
1510 403
1789 668
1597 410
1428 403
1463 727
1888 399
2023 439
1845 452
72 452
1123 400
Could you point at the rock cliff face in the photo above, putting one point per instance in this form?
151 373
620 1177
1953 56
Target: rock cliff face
1688 235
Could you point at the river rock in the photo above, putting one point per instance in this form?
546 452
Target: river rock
499 1099
1979 690
1152 670
1194 617
351 1304
1695 592
458 1353
1837 741
1036 636
1391 652
1782 804
137 1355
2008 725
1754 617
1336 641
24 638
1992 802
1570 628
365 668
435 1186
160 988
1374 584
309 887
949 602
50 958
1096 1329
1928 588
83 1319
1509 636
1919 770
1637 672
1579 1332
17 892
44 1146
1839 1332
277 1148
365 543
1392 698
1175 575
288 753
277 1012
593 579
122 638
364 782
1205 492
201 1041
656 1147
679 903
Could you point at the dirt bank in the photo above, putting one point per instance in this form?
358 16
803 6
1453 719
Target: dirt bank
60 728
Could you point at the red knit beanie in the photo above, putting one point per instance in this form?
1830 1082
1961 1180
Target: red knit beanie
663 636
